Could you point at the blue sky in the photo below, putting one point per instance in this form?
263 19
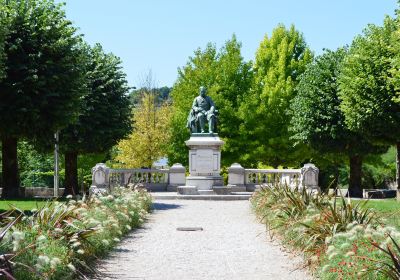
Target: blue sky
160 35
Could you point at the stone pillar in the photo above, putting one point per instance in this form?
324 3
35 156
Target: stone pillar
204 161
177 177
236 180
309 177
99 178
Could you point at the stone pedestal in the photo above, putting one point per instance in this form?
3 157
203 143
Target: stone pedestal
236 174
177 177
204 161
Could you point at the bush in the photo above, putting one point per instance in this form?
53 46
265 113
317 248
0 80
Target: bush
60 240
341 240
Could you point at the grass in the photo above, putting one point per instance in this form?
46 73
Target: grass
389 209
24 204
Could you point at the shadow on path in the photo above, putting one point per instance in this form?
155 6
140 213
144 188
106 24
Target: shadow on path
165 206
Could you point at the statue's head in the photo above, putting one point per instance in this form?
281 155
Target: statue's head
203 91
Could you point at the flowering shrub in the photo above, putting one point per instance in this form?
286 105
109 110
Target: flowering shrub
340 239
60 240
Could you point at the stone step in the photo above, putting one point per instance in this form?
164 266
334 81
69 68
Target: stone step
206 192
175 196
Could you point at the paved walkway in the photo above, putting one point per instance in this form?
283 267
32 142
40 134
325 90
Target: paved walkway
231 246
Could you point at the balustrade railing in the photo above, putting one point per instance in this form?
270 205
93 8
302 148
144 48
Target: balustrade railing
272 177
120 177
152 179
250 179
239 178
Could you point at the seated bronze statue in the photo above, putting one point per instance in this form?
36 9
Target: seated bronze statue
203 111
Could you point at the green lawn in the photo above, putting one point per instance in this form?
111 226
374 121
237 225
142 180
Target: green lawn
389 208
22 204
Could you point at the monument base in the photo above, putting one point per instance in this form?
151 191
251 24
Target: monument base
204 182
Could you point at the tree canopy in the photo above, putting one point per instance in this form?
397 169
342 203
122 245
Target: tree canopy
43 77
105 113
148 140
227 78
317 120
279 62
369 95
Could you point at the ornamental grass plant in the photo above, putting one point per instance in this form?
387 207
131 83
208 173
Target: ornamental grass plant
61 240
339 239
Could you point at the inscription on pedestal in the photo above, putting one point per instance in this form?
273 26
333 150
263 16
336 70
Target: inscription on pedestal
204 161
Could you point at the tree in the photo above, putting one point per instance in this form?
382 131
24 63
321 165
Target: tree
367 90
161 93
279 62
43 78
3 34
147 142
227 78
105 114
318 122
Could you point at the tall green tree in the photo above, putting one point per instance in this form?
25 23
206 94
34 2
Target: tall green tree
318 122
369 96
227 77
105 115
42 84
279 62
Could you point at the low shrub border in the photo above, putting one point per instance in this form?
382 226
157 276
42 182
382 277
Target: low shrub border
61 240
339 239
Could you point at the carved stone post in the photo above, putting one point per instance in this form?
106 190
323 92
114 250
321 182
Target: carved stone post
309 177
100 182
177 177
236 176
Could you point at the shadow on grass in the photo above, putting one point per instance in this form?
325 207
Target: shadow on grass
164 206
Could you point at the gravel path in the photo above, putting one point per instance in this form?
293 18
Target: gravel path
232 245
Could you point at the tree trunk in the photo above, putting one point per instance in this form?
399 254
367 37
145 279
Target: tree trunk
71 173
10 168
398 170
355 188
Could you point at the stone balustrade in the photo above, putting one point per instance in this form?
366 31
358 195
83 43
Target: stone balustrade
250 179
104 177
239 178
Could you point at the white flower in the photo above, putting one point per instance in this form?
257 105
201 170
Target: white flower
105 242
345 246
71 266
43 260
331 256
350 253
351 225
358 229
328 240
18 235
80 252
54 262
330 249
15 245
41 238
76 244
58 230
325 268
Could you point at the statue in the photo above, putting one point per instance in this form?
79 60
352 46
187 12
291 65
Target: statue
203 111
